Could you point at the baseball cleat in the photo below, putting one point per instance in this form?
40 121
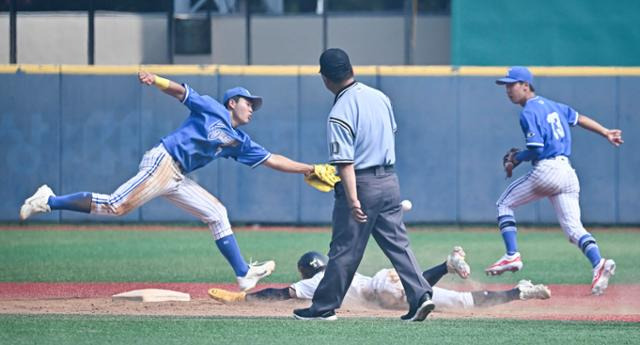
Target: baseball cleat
456 263
307 315
257 271
506 263
225 296
37 203
530 291
601 275
420 313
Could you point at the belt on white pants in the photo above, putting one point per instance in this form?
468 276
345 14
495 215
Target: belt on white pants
556 158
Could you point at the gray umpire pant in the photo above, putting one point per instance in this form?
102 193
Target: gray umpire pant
379 195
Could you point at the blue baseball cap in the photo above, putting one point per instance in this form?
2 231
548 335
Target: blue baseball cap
256 101
516 74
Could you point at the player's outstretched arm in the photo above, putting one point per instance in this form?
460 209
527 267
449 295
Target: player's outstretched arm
167 86
269 294
614 136
272 294
284 164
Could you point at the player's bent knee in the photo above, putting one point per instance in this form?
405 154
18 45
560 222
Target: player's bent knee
220 229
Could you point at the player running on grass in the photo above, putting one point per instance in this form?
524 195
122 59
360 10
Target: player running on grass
546 127
209 132
385 290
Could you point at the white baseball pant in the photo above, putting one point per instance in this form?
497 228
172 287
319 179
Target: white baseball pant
389 293
160 175
552 178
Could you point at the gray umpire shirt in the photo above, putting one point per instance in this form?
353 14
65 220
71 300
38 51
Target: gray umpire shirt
361 109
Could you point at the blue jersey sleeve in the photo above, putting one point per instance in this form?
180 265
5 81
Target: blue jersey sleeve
197 103
531 129
529 154
570 114
251 153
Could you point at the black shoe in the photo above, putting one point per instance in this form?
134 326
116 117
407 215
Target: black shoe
307 314
420 312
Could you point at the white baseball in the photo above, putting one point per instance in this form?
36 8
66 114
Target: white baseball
406 205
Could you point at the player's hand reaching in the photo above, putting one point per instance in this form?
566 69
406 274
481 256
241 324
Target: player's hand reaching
146 78
167 86
614 136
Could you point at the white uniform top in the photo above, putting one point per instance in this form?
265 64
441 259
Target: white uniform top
384 290
359 292
361 121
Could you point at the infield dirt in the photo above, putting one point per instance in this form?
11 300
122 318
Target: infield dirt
568 302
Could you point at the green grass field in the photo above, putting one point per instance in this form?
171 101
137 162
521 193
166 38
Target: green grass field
191 256
97 330
176 255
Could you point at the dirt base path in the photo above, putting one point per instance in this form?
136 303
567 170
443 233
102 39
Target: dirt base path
568 302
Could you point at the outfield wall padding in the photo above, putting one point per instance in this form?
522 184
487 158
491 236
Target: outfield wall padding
86 131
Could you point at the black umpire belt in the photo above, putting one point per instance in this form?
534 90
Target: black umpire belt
376 170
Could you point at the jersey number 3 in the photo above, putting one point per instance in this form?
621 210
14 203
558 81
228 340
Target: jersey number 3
556 125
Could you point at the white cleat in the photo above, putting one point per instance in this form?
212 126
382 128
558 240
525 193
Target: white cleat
601 275
37 203
456 263
506 263
530 291
257 271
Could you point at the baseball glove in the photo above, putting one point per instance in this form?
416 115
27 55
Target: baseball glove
323 177
509 161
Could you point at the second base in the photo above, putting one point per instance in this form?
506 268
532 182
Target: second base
152 295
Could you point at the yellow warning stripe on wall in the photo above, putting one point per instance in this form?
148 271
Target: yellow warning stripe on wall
295 70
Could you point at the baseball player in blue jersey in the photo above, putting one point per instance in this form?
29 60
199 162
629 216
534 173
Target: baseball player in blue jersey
546 128
209 132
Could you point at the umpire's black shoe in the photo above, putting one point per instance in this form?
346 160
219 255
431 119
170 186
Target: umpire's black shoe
420 312
307 314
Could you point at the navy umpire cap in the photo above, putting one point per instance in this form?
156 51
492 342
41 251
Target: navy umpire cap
335 64
516 74
256 101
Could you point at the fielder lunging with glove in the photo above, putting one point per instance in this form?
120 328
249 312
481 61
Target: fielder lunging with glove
546 128
209 132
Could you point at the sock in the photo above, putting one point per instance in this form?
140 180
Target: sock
491 298
229 248
509 232
80 202
590 249
433 275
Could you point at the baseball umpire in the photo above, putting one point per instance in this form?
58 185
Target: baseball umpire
361 129
209 132
546 128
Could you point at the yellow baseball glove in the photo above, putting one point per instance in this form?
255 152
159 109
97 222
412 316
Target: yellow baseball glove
323 177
